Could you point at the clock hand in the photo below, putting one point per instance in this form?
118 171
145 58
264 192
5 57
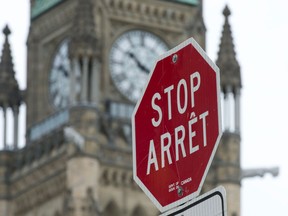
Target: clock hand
65 72
139 64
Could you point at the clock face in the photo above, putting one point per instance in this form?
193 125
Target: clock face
132 57
59 77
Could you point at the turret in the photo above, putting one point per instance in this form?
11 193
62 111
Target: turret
227 160
10 94
84 52
230 77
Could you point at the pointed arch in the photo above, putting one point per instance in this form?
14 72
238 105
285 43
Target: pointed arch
139 211
111 209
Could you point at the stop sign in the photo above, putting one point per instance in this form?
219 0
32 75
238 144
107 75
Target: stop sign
176 126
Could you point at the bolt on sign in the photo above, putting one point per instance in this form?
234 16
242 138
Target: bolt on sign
176 126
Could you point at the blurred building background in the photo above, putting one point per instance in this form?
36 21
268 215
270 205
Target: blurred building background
87 62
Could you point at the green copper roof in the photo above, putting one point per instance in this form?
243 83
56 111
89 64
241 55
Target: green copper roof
190 2
41 6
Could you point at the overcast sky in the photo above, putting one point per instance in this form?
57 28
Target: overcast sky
260 34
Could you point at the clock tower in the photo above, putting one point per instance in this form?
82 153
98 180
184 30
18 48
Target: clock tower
88 61
100 52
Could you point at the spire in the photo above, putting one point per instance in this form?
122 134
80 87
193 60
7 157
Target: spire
6 65
84 41
227 62
9 94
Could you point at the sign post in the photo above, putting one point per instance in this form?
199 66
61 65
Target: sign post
176 126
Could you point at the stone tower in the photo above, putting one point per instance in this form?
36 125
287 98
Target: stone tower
86 66
10 94
226 167
10 99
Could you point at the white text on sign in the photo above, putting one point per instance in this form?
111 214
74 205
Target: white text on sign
180 132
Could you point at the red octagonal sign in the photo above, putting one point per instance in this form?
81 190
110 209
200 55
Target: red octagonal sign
177 126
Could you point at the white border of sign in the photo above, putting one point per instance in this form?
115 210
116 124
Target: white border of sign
212 203
136 179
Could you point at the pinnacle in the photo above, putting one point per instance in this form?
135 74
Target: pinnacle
227 62
226 11
10 93
6 65
84 27
6 31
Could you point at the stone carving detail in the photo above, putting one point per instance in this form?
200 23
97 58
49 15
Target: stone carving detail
147 12
89 205
38 194
117 177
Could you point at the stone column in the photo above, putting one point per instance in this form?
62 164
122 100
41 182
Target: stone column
95 84
16 125
84 79
73 81
237 110
5 127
